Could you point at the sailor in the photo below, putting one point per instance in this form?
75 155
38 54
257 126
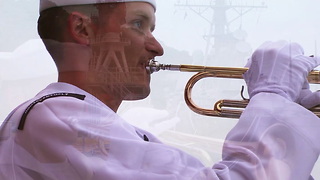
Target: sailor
71 131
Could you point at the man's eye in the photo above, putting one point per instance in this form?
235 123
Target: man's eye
137 24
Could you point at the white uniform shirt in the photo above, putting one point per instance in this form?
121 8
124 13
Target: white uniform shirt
69 138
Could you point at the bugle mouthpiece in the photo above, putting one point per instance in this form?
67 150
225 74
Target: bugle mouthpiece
155 66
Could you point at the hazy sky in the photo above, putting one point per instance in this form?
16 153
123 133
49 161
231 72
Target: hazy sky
293 20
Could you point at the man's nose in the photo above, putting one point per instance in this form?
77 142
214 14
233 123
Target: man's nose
153 46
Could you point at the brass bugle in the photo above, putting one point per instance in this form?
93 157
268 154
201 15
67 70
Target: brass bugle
222 108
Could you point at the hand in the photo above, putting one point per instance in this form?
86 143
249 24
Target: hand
279 67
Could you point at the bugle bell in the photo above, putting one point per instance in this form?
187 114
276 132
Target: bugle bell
222 108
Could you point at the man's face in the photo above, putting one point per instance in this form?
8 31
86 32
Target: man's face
122 47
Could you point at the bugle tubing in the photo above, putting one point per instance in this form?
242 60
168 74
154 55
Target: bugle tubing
222 108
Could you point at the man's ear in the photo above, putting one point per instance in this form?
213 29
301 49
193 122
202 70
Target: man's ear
79 27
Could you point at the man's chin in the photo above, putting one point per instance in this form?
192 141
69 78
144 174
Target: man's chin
137 93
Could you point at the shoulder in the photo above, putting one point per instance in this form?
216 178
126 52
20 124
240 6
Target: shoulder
44 105
58 101
42 119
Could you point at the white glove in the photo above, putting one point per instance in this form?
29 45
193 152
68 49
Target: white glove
279 67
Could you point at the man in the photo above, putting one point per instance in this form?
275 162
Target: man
71 131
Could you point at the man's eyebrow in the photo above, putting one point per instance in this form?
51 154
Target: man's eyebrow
142 14
146 17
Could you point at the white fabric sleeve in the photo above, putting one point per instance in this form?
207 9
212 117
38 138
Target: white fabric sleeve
274 139
307 98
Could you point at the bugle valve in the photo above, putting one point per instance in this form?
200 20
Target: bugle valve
222 108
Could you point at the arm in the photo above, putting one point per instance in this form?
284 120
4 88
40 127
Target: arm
273 140
275 137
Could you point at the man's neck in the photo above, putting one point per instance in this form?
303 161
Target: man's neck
79 79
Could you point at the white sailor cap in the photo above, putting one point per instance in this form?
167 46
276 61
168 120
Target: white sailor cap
46 4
